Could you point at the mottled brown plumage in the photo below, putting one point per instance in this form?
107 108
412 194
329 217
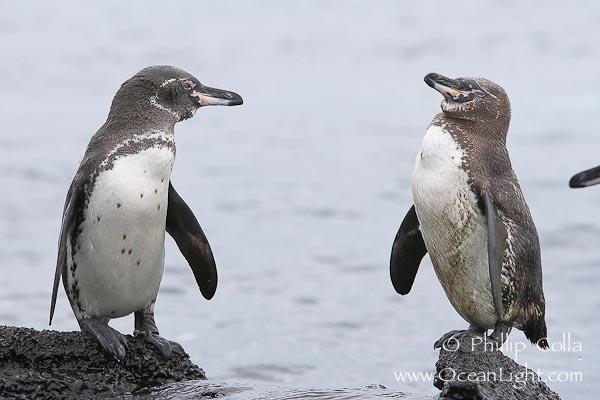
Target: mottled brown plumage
476 116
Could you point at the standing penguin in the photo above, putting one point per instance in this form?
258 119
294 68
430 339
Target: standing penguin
469 214
111 247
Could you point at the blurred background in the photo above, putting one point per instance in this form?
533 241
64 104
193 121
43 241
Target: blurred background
301 190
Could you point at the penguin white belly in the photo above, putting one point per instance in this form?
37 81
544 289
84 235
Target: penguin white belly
453 227
120 248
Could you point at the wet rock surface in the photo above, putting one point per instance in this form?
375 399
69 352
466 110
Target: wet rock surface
466 370
63 365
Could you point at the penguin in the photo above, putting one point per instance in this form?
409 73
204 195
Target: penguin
120 203
589 177
470 215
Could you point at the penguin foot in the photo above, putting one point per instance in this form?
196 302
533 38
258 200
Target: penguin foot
500 334
166 348
450 339
111 340
145 328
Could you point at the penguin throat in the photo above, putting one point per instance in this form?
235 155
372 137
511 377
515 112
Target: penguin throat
177 115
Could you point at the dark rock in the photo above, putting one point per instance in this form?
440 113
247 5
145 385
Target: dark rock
466 370
65 365
69 365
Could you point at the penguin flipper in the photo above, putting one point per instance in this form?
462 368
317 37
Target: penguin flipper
407 252
183 226
496 242
65 230
585 178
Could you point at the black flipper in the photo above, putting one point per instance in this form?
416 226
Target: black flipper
65 233
586 178
496 241
407 252
185 229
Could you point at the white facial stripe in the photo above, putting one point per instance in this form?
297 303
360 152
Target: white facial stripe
155 103
165 83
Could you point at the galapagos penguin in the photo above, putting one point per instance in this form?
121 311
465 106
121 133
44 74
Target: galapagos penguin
470 215
120 203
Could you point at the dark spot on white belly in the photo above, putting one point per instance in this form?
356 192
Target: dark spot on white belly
118 205
155 190
124 237
122 251
130 251
141 195
98 218
138 263
159 206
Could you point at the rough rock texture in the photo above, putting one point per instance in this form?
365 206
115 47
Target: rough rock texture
71 365
64 365
492 374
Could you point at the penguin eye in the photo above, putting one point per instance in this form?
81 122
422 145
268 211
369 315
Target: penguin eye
187 84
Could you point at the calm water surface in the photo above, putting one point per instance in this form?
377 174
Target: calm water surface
302 189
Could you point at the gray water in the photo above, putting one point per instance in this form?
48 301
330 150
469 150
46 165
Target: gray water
197 390
301 190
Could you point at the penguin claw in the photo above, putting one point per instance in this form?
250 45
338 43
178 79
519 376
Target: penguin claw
115 346
117 351
166 347
111 340
499 335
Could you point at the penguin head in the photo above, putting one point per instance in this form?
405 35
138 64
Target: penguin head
473 99
174 91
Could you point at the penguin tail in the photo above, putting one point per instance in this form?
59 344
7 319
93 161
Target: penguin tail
534 324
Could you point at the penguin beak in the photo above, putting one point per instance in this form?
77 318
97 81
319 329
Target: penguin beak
586 178
449 88
207 96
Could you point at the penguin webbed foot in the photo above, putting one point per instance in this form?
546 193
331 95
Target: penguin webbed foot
111 340
454 335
